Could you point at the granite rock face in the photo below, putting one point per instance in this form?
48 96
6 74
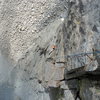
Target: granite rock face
82 47
81 39
49 49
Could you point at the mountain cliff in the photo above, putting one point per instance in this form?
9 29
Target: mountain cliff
49 49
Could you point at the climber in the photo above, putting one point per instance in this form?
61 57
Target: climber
53 47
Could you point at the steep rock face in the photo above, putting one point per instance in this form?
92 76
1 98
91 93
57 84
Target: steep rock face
90 89
21 21
28 30
81 36
55 48
82 47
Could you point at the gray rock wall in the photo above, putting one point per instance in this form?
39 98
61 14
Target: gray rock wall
27 28
49 49
82 46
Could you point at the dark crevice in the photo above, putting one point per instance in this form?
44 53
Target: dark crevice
94 28
91 76
43 51
56 93
78 96
81 7
81 30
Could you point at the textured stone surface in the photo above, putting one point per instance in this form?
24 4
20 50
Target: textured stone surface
42 46
80 36
90 89
21 21
81 42
27 28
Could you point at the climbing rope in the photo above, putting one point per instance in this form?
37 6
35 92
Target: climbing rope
80 54
78 57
